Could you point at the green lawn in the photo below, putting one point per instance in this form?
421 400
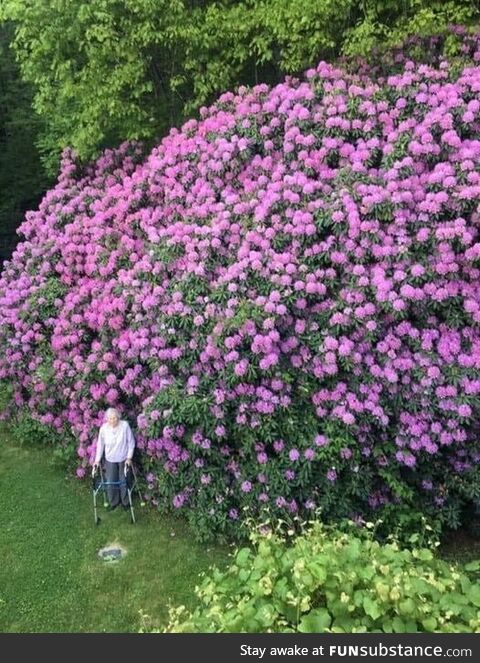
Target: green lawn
51 579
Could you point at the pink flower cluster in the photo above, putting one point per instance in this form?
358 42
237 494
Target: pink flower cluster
308 253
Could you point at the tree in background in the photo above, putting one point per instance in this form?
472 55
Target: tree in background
108 71
101 70
21 175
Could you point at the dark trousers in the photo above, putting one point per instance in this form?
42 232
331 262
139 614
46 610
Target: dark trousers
116 472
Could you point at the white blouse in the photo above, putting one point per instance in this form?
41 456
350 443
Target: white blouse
117 442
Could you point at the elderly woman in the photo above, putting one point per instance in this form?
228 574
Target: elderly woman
116 439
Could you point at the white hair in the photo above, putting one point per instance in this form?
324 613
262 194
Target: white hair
113 410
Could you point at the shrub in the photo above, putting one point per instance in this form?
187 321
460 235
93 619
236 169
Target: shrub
333 582
26 430
283 296
5 397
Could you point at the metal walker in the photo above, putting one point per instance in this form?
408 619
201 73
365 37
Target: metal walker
99 484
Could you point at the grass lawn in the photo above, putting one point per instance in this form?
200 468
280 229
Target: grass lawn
51 579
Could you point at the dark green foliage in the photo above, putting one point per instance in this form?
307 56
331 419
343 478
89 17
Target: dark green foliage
22 179
107 71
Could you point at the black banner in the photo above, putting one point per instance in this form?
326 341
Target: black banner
248 648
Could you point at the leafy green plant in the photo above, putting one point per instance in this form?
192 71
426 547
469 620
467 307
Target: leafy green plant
28 431
22 180
327 581
6 391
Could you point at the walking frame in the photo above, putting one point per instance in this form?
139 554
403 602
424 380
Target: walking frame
99 484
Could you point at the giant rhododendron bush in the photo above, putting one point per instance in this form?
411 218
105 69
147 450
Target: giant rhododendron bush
282 297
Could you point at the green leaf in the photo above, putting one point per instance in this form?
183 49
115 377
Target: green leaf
319 572
398 625
288 611
407 607
372 608
423 554
266 615
317 621
429 624
242 557
473 595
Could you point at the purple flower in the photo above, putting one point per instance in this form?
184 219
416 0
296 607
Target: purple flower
278 445
178 501
321 440
292 506
464 410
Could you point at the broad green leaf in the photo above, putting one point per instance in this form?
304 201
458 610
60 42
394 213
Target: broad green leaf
316 621
372 608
